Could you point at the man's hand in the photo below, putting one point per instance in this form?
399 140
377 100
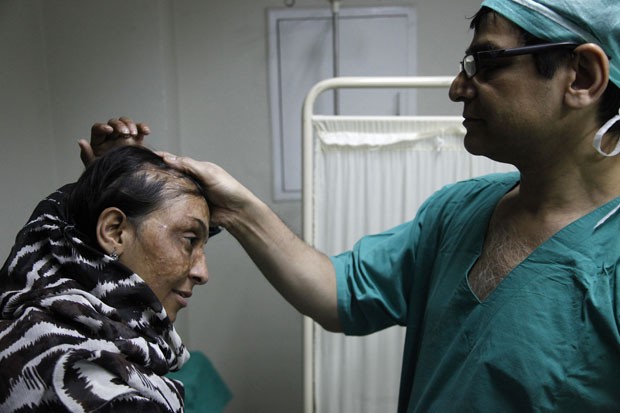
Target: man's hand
105 136
227 197
303 275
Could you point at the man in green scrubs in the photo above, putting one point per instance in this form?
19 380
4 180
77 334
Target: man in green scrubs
508 284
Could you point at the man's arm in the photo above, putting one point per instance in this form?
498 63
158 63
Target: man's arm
303 275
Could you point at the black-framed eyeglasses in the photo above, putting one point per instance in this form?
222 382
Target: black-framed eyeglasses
473 61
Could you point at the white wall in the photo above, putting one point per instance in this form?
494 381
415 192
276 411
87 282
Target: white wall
196 71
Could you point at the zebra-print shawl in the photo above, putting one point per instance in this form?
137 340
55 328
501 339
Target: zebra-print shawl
80 332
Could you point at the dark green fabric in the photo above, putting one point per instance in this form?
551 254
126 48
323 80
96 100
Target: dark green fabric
547 339
205 391
583 21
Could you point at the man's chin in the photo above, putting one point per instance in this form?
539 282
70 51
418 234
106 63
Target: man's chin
473 145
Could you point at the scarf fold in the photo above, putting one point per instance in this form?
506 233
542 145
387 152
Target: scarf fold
79 331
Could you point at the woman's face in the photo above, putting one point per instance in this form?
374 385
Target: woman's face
166 249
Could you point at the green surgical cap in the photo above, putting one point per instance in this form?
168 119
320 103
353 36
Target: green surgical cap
582 21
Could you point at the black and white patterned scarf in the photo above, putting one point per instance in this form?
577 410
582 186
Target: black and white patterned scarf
80 332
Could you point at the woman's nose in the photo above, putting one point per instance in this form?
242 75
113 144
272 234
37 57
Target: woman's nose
461 88
199 272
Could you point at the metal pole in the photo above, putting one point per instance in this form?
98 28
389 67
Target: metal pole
336 50
308 190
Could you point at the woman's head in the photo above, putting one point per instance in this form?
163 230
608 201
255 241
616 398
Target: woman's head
131 178
154 218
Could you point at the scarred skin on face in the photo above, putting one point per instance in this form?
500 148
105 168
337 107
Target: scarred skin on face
166 249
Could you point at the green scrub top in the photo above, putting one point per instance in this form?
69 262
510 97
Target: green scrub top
546 339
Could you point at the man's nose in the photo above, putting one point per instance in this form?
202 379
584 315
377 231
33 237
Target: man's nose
462 88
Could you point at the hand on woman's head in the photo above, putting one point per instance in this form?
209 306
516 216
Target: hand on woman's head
105 136
226 196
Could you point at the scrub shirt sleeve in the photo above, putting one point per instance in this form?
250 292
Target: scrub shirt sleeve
375 277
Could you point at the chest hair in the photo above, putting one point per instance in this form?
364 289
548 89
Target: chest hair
505 247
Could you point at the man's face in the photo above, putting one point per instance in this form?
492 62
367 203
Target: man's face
507 105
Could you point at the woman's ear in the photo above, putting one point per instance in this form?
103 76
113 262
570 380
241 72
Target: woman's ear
590 76
113 230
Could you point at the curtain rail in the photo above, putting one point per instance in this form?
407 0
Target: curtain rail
419 82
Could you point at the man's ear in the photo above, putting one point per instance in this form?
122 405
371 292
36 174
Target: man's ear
590 76
113 230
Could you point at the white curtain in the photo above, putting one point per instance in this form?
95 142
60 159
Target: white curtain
371 174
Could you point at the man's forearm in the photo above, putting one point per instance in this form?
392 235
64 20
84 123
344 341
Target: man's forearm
303 275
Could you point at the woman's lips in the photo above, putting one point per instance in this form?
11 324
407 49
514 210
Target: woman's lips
183 296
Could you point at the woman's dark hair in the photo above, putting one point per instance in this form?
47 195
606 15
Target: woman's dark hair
548 63
129 178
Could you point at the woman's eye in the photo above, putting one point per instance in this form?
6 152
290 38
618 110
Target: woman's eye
191 240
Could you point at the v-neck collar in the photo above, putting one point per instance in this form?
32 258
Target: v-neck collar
579 229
